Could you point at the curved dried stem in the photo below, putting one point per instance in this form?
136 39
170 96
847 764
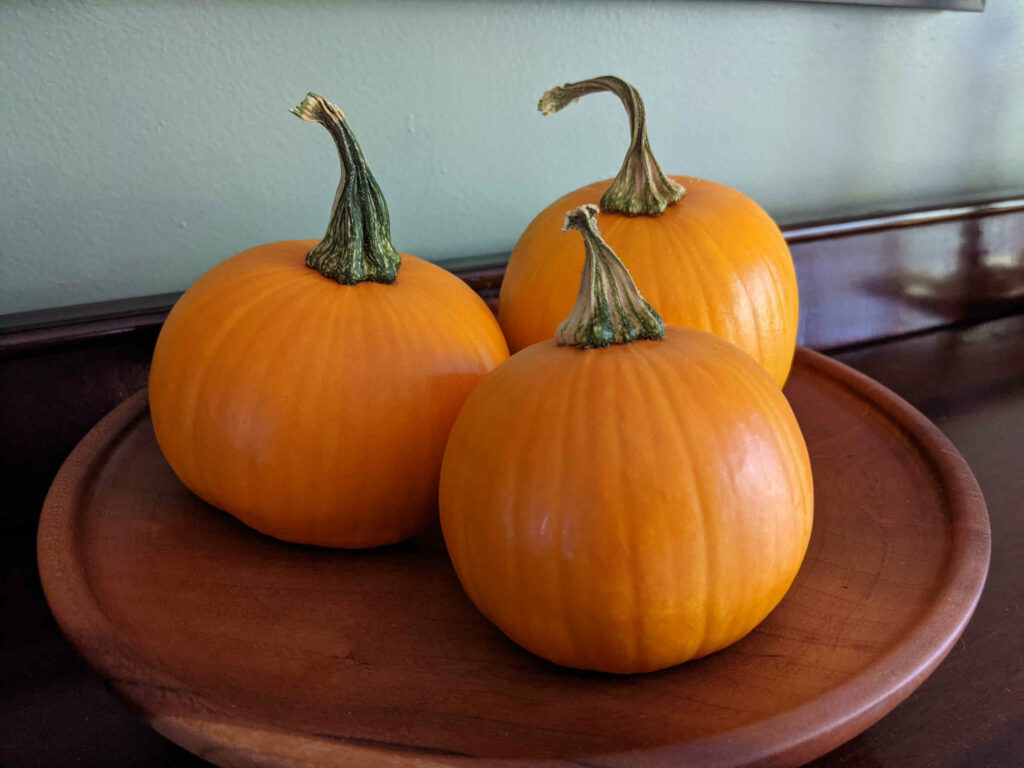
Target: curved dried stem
357 247
609 308
640 187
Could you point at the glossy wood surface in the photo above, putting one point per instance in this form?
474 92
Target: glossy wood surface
860 278
899 275
248 651
970 712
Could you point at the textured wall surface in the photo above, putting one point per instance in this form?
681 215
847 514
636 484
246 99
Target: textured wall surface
142 143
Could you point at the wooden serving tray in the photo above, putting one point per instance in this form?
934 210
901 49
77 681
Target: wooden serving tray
248 651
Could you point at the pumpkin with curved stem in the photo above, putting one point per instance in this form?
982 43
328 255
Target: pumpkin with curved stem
706 255
624 497
308 387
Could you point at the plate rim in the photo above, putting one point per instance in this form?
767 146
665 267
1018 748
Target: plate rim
798 735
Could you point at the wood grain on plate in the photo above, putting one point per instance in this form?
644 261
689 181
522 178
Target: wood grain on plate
249 651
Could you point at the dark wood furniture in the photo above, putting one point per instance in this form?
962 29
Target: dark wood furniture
939 322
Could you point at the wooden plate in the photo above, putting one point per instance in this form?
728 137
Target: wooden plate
248 651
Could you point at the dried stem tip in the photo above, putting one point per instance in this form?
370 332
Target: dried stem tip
357 247
609 308
641 187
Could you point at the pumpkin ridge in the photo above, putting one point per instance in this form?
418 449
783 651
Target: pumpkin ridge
793 446
514 561
471 519
659 373
695 276
284 340
726 255
654 374
743 384
772 413
572 406
262 318
777 363
330 344
243 282
194 384
454 324
578 522
631 382
711 629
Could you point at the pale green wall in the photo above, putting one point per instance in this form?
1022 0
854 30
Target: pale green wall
140 143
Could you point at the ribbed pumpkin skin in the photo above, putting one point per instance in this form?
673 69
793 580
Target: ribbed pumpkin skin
714 261
629 508
312 411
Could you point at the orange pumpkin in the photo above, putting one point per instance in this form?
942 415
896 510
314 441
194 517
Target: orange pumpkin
314 403
707 256
624 508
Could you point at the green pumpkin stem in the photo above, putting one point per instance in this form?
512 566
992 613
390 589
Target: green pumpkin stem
357 247
641 186
609 308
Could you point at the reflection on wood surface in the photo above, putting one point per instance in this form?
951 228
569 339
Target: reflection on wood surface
909 273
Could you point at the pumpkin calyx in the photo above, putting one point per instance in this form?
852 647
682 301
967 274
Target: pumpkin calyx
609 308
641 187
357 247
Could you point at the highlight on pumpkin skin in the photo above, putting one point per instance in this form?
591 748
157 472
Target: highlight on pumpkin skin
685 523
641 187
609 308
357 246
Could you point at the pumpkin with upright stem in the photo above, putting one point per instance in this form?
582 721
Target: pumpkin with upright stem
705 254
308 387
624 497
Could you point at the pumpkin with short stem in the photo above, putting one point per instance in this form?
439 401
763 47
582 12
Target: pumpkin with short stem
706 255
624 497
308 387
